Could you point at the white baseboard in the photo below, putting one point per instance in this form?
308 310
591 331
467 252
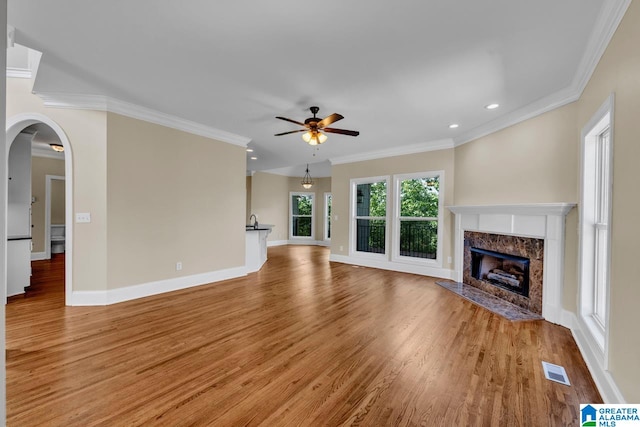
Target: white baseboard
38 256
604 381
127 293
441 273
277 243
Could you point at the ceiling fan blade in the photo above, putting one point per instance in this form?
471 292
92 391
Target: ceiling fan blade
342 131
292 131
329 119
289 120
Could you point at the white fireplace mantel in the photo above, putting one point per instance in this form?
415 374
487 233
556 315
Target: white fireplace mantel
539 220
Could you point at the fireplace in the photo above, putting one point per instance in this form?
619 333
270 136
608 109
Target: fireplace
508 267
510 272
543 222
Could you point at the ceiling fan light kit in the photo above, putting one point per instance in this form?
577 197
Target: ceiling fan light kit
314 127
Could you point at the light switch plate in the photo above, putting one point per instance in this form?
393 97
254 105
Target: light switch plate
83 217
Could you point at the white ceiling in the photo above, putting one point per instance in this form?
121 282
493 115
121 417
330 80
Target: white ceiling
399 72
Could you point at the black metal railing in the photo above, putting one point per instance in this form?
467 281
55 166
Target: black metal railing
370 235
419 239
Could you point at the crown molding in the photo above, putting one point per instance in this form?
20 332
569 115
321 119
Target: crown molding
19 73
605 26
112 105
440 144
46 153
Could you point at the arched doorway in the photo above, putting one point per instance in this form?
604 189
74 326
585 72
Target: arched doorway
15 125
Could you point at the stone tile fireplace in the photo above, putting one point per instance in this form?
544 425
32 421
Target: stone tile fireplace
509 240
509 267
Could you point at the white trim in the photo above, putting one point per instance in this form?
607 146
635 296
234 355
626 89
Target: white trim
128 293
439 144
561 209
395 226
607 22
38 256
544 221
47 213
277 243
112 105
302 239
14 126
605 383
610 16
19 73
602 119
443 273
353 189
326 219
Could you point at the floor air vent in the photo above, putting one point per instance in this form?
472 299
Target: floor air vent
555 373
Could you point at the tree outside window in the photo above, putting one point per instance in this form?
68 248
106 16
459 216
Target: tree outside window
419 209
302 215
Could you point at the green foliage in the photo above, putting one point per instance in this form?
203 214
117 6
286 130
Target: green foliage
419 197
302 205
372 199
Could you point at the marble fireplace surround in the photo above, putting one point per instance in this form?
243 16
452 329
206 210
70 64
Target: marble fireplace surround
541 221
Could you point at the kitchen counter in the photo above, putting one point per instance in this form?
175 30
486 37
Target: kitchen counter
256 246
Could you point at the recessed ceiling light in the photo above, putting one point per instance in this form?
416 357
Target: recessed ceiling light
453 125
254 158
249 150
491 106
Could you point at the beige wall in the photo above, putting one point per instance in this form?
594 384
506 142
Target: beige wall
172 197
532 162
40 168
269 201
87 134
619 72
419 162
57 201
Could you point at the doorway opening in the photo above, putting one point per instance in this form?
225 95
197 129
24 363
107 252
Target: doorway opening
37 134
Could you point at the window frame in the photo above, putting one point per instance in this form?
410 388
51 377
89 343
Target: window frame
291 216
595 202
326 235
397 220
353 218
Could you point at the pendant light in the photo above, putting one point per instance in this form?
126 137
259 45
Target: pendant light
307 182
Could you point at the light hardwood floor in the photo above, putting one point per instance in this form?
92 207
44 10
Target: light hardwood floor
302 342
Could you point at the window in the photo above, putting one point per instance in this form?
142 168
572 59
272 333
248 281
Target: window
369 215
595 223
327 216
302 222
417 207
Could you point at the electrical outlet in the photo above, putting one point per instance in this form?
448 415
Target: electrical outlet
341 248
178 265
449 260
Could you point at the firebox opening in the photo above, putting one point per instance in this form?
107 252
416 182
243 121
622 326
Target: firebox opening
510 272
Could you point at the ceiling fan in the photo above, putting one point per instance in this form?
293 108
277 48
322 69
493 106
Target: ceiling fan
314 127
